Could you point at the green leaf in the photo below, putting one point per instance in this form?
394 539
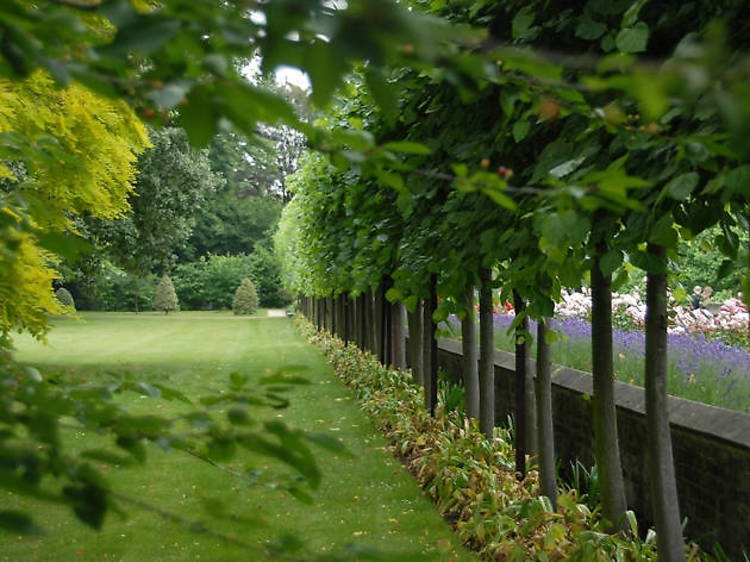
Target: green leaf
407 147
631 14
610 261
199 117
738 180
522 21
325 68
383 93
520 130
633 39
682 186
662 232
590 30
144 35
18 523
149 390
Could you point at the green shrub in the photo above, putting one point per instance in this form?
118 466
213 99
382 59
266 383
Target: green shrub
209 283
165 298
64 296
245 298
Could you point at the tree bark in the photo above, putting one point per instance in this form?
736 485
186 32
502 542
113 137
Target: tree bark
606 443
399 336
378 315
663 483
526 443
545 426
430 349
333 301
469 349
361 322
486 355
387 325
372 332
416 340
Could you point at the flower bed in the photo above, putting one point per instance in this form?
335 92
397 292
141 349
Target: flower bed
471 479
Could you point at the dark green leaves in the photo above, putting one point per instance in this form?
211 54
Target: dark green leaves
633 39
682 186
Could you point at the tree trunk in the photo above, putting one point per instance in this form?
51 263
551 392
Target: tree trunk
486 356
399 339
469 349
387 326
136 302
545 426
525 401
347 308
416 340
378 314
430 348
319 313
606 443
361 322
662 480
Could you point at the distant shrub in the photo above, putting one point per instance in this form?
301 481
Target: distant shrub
64 296
245 298
165 298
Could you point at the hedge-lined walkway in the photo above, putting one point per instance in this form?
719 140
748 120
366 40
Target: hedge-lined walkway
368 499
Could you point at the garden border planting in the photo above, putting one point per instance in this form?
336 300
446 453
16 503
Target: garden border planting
472 479
710 445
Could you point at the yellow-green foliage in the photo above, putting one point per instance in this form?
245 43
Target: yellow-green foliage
63 152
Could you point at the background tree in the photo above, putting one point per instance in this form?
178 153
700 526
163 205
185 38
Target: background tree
245 298
165 297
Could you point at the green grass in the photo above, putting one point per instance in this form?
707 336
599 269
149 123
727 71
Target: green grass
367 499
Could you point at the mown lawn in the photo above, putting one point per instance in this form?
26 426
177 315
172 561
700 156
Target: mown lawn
366 499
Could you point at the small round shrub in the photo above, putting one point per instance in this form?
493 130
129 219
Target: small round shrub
64 296
245 298
165 298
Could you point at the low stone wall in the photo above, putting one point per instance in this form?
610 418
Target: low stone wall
711 448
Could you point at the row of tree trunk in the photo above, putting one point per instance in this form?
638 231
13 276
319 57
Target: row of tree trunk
377 326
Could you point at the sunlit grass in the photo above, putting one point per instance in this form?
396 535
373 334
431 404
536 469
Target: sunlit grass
366 499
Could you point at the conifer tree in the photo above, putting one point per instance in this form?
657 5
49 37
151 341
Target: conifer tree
245 298
166 298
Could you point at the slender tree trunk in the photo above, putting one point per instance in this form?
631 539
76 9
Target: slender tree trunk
525 402
319 313
522 365
416 341
378 313
361 322
373 322
430 348
662 479
545 426
136 303
606 443
469 349
387 326
347 308
399 336
486 355
334 314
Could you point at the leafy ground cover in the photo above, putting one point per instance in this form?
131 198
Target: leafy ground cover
473 479
366 499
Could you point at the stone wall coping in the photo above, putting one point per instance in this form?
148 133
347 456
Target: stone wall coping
727 425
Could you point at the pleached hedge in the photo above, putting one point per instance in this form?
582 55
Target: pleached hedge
471 479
